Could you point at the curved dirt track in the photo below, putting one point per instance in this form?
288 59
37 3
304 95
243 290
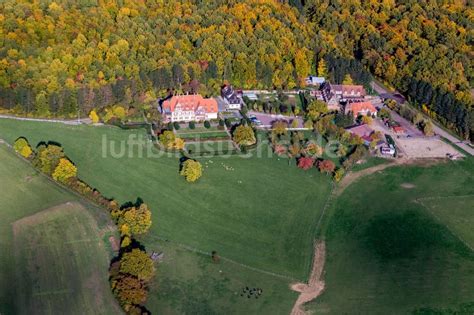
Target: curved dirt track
315 286
354 176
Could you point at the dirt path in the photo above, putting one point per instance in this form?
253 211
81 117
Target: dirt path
351 177
62 121
315 286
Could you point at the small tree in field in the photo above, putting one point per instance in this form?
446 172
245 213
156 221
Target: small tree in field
280 149
192 170
341 150
22 146
215 257
207 124
294 150
244 135
305 163
64 171
326 166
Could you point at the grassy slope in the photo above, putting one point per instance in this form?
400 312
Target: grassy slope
388 254
24 193
190 283
262 213
262 222
457 213
64 238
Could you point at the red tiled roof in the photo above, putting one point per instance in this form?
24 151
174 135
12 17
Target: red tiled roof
356 108
398 129
191 103
350 90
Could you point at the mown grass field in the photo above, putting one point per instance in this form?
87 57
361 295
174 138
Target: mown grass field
63 239
260 212
190 283
390 249
456 212
389 254
209 147
48 267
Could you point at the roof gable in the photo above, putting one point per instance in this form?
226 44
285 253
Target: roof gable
190 103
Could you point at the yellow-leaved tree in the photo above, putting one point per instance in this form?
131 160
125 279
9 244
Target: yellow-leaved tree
64 171
168 139
178 144
119 112
137 263
94 117
22 146
315 109
192 170
135 220
244 135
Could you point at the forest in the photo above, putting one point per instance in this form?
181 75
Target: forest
422 48
58 57
64 57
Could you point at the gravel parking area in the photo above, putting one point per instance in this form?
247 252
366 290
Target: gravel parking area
424 147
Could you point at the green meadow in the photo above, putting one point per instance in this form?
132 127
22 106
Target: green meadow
54 248
398 241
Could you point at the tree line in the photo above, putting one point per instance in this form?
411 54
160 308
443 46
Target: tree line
132 269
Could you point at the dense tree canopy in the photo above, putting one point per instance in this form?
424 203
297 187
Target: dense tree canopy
138 264
59 56
65 58
423 48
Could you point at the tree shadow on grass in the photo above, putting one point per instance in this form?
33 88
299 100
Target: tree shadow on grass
393 236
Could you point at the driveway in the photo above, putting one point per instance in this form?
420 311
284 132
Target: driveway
410 129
